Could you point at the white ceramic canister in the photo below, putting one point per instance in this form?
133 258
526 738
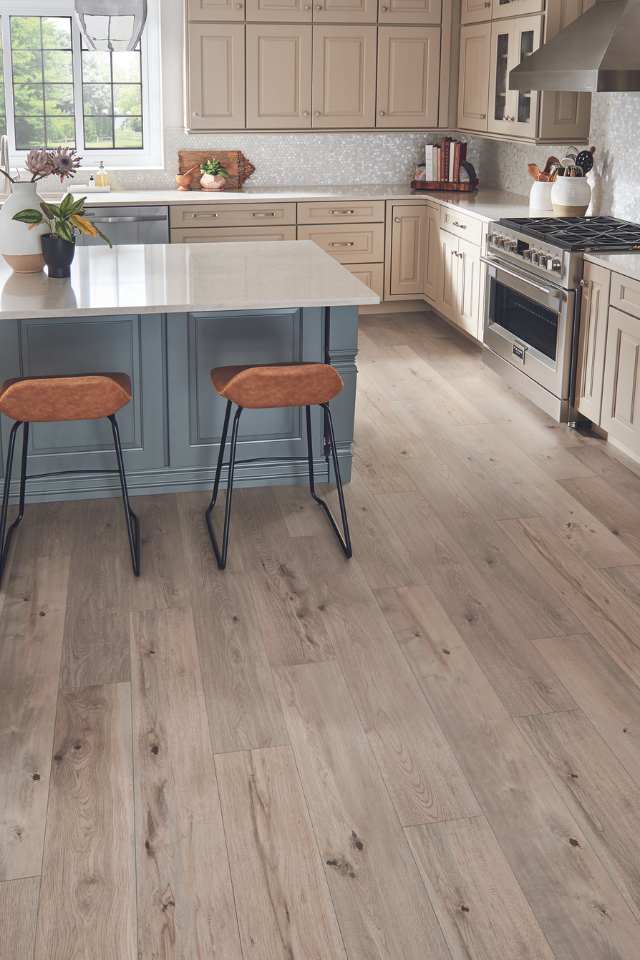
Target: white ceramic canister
20 246
540 197
570 196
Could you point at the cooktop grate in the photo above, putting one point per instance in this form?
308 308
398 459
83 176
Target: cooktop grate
579 233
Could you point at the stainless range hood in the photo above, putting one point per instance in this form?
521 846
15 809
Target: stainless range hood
598 52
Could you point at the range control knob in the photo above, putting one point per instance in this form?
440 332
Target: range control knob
556 265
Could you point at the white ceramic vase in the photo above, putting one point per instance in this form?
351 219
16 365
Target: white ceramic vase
210 182
540 198
20 246
570 196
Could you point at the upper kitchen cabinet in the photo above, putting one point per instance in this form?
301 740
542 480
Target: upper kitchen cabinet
216 76
564 116
410 11
515 8
512 112
215 10
345 11
473 87
408 76
344 76
475 11
278 76
279 11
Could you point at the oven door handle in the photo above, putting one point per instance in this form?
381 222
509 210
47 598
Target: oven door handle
551 292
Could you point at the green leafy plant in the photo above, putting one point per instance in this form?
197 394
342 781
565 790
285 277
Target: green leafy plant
214 168
62 219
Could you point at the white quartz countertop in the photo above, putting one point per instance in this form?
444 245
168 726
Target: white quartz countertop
183 278
628 264
486 204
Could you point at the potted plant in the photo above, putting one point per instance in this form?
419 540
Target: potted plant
61 221
20 246
213 175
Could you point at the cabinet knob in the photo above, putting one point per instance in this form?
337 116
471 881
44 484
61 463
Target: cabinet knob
305 113
317 113
381 113
483 116
396 219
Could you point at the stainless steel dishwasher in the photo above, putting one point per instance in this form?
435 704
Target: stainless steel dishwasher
125 225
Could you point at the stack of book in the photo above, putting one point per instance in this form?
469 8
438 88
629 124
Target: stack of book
446 167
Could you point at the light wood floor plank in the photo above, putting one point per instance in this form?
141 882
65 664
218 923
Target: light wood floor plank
87 899
164 580
603 691
575 901
600 794
626 580
185 901
18 913
611 507
96 647
382 906
477 900
284 906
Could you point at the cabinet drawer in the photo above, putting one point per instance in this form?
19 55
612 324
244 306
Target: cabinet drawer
625 294
233 215
339 212
229 234
516 8
348 244
466 227
371 274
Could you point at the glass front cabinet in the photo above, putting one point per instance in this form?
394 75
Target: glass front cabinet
512 112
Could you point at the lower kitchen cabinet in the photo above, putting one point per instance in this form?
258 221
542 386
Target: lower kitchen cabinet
371 274
432 270
593 338
234 234
458 269
621 384
406 249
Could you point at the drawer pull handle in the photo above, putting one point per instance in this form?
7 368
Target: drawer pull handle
342 243
207 214
345 213
271 213
462 226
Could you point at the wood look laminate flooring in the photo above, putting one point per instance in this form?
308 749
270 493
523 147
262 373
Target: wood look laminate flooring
431 752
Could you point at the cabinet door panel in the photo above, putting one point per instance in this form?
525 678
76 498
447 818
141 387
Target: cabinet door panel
621 390
512 112
279 11
278 76
432 274
216 76
345 11
410 11
344 76
469 265
408 76
407 249
348 243
564 115
473 89
475 11
371 274
593 337
215 10
226 234
449 260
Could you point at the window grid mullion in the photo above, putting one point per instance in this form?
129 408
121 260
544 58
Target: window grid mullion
8 83
78 92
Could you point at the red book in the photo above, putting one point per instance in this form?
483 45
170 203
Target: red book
445 158
457 157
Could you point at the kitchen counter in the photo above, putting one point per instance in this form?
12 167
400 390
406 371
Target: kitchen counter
183 278
165 316
628 264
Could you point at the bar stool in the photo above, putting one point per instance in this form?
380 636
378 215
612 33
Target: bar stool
57 399
268 386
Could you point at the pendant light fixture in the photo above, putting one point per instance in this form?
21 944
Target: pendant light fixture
111 24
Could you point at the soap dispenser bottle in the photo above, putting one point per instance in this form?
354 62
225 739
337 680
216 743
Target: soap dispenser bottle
102 176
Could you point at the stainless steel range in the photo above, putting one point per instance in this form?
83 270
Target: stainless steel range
532 302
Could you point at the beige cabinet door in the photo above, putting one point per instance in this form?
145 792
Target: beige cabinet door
407 249
279 11
449 263
475 11
215 77
515 8
344 76
468 288
512 112
432 273
564 116
345 11
278 76
410 11
473 86
593 337
621 388
214 10
408 76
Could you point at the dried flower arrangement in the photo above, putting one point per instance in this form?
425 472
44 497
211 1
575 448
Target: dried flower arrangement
61 162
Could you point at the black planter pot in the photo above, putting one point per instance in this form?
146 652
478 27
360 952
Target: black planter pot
58 255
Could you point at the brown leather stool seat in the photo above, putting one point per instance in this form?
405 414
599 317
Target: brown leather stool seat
277 384
87 397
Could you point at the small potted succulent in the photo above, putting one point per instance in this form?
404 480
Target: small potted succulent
61 221
213 175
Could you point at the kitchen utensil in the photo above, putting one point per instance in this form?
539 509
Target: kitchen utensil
585 159
534 171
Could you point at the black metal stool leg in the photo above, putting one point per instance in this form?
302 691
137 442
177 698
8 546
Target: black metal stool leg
133 526
6 535
345 541
221 555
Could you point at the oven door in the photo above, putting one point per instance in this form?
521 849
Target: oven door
529 324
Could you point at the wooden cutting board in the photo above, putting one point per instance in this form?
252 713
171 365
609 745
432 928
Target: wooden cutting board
234 162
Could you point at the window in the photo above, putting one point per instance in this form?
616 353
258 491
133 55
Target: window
56 91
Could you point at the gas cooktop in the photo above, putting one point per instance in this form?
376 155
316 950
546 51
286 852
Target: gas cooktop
582 234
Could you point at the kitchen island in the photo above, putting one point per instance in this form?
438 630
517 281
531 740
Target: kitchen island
166 315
